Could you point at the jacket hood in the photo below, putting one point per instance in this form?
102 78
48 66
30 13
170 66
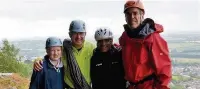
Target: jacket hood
146 28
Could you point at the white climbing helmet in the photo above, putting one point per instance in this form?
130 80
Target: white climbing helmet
103 33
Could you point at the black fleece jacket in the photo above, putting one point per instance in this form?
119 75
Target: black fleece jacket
107 70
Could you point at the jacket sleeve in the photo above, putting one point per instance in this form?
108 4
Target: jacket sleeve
92 70
161 62
36 80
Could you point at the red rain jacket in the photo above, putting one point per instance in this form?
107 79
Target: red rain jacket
143 57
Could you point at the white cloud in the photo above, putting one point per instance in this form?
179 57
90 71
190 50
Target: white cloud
12 28
9 27
29 18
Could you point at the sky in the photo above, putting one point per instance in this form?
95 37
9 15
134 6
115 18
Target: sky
21 19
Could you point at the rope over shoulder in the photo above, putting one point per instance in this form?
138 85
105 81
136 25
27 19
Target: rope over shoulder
75 72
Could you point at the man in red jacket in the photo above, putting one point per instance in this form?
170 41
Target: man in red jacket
145 53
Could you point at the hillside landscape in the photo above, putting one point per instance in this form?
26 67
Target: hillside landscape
184 51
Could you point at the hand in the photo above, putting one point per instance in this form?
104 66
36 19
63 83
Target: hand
117 46
37 65
67 44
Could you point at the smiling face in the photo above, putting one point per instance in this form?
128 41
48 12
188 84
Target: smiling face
104 45
134 17
54 52
77 38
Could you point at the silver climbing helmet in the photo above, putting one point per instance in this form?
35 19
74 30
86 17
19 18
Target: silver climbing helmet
103 33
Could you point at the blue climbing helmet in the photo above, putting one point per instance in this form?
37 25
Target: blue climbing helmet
53 41
77 26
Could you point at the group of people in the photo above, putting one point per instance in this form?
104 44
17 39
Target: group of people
141 61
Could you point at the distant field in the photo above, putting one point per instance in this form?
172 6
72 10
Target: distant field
187 60
184 45
179 78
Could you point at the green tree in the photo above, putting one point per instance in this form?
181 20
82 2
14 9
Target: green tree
9 50
9 60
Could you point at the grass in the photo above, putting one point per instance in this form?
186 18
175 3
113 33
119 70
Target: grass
14 81
178 78
177 87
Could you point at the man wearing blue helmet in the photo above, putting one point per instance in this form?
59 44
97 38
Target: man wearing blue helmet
76 57
52 72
